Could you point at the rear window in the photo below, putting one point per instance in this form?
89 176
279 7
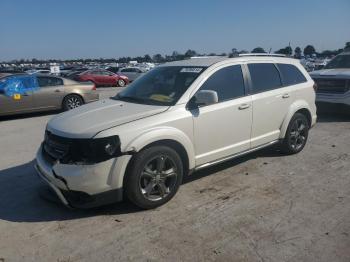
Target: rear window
265 76
291 75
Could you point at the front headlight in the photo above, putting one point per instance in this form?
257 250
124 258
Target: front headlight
91 151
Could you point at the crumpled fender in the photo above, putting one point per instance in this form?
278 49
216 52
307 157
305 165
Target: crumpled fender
162 133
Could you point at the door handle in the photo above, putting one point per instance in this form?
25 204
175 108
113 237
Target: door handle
285 96
243 106
57 90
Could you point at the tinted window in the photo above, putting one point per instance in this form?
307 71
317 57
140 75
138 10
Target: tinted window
49 81
291 74
340 61
227 82
126 70
265 76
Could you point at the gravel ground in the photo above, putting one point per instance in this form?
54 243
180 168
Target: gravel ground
262 207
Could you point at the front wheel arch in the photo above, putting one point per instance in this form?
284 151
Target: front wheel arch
175 145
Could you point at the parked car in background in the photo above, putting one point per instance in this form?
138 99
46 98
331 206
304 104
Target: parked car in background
102 78
132 72
180 117
38 71
51 93
333 82
113 69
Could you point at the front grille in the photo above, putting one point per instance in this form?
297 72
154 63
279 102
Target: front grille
55 147
337 86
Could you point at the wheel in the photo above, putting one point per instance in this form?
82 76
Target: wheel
72 101
121 83
154 176
296 135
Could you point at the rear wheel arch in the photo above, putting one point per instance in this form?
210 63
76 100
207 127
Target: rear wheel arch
71 94
298 107
306 113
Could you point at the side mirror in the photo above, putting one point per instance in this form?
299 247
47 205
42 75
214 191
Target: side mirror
206 97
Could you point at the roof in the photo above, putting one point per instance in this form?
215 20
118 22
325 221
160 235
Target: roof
202 61
208 61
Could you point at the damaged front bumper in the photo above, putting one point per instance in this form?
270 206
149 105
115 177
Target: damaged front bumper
81 186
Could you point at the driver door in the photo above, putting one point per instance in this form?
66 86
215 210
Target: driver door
224 128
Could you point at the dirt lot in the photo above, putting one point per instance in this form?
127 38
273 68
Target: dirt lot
262 207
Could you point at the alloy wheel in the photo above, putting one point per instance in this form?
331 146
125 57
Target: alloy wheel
73 102
298 134
158 178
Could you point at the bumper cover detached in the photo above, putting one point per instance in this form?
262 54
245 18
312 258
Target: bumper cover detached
78 199
72 189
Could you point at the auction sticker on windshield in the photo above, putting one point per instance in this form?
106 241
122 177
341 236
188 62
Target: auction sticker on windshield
196 70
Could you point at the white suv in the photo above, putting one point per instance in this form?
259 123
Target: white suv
179 117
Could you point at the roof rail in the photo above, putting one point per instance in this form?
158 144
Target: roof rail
262 54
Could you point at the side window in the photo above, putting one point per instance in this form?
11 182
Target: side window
265 76
291 75
49 81
227 82
126 70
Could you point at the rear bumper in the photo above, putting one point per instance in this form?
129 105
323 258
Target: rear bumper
91 97
334 98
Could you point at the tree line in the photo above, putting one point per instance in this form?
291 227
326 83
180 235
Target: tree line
309 50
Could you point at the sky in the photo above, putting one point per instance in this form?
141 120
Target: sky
69 29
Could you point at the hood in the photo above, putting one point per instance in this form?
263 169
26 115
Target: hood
88 120
336 73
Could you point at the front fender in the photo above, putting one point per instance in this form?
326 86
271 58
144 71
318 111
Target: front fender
296 106
163 133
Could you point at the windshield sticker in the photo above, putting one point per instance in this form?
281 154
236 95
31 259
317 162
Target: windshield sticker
16 86
195 70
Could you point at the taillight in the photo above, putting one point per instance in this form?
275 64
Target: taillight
315 86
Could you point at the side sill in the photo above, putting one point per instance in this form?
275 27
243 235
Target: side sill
233 156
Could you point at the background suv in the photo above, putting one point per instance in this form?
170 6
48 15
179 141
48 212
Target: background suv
178 118
102 78
333 82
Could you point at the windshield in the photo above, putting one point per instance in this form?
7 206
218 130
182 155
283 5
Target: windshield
161 86
340 61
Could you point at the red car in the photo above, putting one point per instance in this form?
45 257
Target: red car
102 78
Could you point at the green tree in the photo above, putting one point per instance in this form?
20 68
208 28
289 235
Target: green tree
297 52
190 53
258 50
147 58
347 46
158 58
309 50
285 51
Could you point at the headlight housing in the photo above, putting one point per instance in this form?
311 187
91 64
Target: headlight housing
90 151
81 151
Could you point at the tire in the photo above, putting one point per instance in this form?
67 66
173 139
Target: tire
121 83
71 102
154 176
296 135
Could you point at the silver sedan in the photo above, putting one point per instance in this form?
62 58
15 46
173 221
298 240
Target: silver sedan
52 93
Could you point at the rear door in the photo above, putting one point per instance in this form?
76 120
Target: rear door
271 101
8 104
50 93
